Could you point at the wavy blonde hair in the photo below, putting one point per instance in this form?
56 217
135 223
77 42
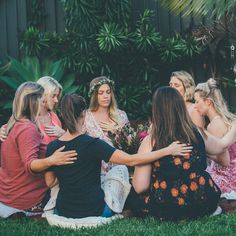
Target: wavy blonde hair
188 83
209 90
93 106
26 103
50 85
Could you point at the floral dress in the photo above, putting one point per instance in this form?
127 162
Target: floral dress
93 129
225 177
180 188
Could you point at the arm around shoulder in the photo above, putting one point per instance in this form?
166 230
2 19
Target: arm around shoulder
142 173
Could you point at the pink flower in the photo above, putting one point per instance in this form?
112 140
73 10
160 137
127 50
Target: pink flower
141 135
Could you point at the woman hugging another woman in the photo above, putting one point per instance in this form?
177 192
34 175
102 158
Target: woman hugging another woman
210 103
22 185
81 193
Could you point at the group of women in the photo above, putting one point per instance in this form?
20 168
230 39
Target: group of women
171 179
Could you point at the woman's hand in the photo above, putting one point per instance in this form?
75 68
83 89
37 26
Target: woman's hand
179 149
59 158
54 130
3 133
112 127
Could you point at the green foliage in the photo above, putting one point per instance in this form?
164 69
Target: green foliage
177 48
34 41
215 9
30 69
111 37
102 38
37 13
146 37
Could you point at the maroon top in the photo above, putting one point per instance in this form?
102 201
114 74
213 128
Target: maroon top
19 187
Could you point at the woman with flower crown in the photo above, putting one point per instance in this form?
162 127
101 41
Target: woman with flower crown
103 114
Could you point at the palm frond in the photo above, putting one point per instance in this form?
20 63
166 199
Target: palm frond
213 8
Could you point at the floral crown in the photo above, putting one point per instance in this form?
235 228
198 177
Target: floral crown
99 83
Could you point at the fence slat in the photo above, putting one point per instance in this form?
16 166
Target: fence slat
3 30
12 36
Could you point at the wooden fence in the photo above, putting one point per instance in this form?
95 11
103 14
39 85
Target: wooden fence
15 15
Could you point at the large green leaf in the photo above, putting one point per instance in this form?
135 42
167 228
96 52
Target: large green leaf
56 70
33 65
72 89
68 81
5 68
21 70
12 82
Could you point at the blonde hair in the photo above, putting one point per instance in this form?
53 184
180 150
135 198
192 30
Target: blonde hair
209 90
50 85
93 106
188 83
26 103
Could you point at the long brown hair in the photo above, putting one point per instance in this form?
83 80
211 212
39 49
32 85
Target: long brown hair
112 109
170 119
72 106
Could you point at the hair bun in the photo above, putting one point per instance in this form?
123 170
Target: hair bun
212 83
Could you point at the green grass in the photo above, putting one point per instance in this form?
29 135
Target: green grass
218 225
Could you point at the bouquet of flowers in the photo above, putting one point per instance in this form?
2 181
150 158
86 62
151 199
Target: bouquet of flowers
127 138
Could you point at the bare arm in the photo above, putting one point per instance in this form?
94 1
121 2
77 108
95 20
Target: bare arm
56 159
120 157
218 129
50 179
197 119
142 173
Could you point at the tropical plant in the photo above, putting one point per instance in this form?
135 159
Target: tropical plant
103 38
111 37
212 8
30 69
34 41
146 36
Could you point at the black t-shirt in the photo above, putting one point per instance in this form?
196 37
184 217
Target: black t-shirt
80 192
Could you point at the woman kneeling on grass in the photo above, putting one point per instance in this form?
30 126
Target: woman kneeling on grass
175 187
80 193
22 186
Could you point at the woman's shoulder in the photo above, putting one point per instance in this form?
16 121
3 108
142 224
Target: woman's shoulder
26 127
217 127
123 116
25 124
121 112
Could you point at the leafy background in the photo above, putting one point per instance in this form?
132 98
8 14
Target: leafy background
103 38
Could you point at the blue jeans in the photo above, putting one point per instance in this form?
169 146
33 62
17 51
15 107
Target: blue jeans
107 212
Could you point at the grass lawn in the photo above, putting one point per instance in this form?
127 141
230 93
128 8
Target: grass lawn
218 225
